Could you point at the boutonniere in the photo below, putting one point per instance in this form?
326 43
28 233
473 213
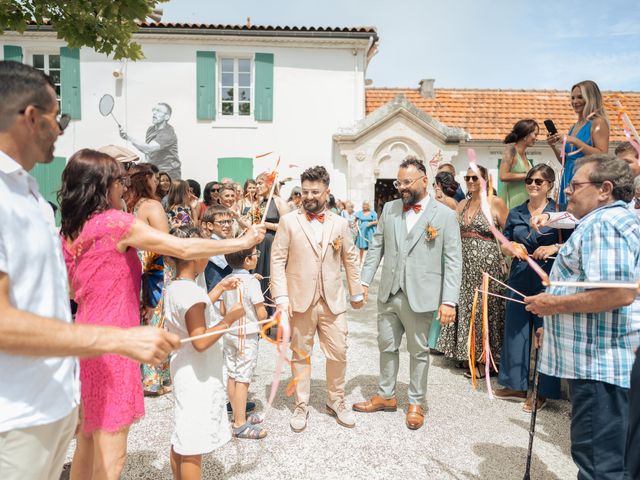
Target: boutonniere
430 232
337 243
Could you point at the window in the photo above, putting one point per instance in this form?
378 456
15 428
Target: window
236 95
48 63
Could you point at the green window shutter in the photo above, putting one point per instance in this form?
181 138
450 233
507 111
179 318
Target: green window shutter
237 168
13 53
263 109
206 85
70 82
49 178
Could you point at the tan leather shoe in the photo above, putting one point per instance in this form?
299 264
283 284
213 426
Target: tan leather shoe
376 404
415 417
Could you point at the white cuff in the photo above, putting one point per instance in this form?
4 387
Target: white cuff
282 299
357 298
364 284
451 304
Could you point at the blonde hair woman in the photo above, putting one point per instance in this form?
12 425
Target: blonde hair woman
588 136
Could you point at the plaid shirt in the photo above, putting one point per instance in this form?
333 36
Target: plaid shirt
605 247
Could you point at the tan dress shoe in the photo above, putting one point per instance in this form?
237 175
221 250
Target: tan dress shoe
415 417
376 404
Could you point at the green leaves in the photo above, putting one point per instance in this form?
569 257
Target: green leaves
106 26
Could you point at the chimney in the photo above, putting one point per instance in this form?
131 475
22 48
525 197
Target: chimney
426 88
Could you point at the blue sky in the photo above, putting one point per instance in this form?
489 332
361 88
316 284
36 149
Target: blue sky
466 43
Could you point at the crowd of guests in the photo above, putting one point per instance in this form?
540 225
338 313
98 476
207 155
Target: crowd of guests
134 255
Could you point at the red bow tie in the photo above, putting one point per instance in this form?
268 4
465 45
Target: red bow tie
315 216
416 208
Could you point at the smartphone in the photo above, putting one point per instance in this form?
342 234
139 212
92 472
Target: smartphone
550 126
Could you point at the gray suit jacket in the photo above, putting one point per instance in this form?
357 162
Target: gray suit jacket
433 269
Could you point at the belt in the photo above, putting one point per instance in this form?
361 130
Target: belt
475 235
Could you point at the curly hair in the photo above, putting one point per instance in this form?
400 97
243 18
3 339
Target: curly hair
139 186
447 183
316 174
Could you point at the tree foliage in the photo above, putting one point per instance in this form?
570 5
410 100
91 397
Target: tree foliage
106 26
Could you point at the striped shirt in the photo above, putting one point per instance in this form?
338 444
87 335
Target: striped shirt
605 247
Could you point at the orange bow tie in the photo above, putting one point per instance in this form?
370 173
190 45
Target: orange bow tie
315 216
416 208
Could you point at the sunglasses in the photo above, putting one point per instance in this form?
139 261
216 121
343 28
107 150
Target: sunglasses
537 181
254 254
471 178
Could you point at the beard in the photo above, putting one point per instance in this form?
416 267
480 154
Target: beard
411 197
313 206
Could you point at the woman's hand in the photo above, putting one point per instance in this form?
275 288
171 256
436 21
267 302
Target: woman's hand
146 314
539 221
554 139
544 252
229 283
521 251
538 339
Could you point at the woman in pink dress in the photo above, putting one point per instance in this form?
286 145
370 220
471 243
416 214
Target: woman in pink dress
100 243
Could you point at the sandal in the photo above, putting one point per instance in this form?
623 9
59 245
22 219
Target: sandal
249 431
253 419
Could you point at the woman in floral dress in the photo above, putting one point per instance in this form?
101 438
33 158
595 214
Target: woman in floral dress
480 253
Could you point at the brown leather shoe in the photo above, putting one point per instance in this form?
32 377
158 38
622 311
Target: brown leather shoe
415 417
376 404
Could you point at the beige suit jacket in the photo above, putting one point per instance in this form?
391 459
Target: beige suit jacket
298 263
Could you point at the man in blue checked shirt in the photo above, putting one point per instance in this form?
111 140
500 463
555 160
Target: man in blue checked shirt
590 336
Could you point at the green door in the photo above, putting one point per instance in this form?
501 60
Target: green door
49 178
237 168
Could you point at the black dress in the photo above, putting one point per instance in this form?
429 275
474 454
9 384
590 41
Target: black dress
263 266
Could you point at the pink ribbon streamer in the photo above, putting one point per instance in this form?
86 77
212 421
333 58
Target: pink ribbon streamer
486 210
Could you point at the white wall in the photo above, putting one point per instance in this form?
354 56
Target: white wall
316 91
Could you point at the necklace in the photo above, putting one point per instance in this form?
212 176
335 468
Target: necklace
184 278
472 213
537 210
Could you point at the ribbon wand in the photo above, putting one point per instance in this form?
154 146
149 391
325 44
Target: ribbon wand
534 412
273 176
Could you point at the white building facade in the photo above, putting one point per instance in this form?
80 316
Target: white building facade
235 93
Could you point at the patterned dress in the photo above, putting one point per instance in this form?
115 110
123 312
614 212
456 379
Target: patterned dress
479 254
152 295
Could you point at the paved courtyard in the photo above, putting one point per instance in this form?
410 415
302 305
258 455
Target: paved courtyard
466 435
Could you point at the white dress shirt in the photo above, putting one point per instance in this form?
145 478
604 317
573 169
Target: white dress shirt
33 390
411 217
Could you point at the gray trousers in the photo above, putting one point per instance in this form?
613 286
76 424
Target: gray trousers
395 317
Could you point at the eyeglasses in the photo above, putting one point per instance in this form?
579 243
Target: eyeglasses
537 181
224 222
61 119
254 254
406 183
470 178
572 185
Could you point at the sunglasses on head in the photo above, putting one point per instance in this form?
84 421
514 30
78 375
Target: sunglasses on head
470 178
537 181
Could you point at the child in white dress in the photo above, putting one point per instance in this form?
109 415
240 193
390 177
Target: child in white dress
200 414
240 355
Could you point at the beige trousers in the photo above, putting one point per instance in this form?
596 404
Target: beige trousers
36 453
332 333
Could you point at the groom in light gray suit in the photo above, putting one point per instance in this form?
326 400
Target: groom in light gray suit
420 240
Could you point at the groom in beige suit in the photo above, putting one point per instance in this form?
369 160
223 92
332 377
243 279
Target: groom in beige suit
310 246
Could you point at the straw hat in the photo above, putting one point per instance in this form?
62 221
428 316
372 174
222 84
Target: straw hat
121 154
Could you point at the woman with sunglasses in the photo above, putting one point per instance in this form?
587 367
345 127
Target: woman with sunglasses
518 340
515 164
480 253
143 203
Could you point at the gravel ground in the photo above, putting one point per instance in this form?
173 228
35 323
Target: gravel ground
465 435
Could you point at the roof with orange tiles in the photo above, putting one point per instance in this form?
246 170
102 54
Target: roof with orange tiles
489 115
358 32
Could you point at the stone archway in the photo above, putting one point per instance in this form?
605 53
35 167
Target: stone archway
386 160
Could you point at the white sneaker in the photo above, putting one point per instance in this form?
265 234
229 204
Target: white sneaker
343 416
298 420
